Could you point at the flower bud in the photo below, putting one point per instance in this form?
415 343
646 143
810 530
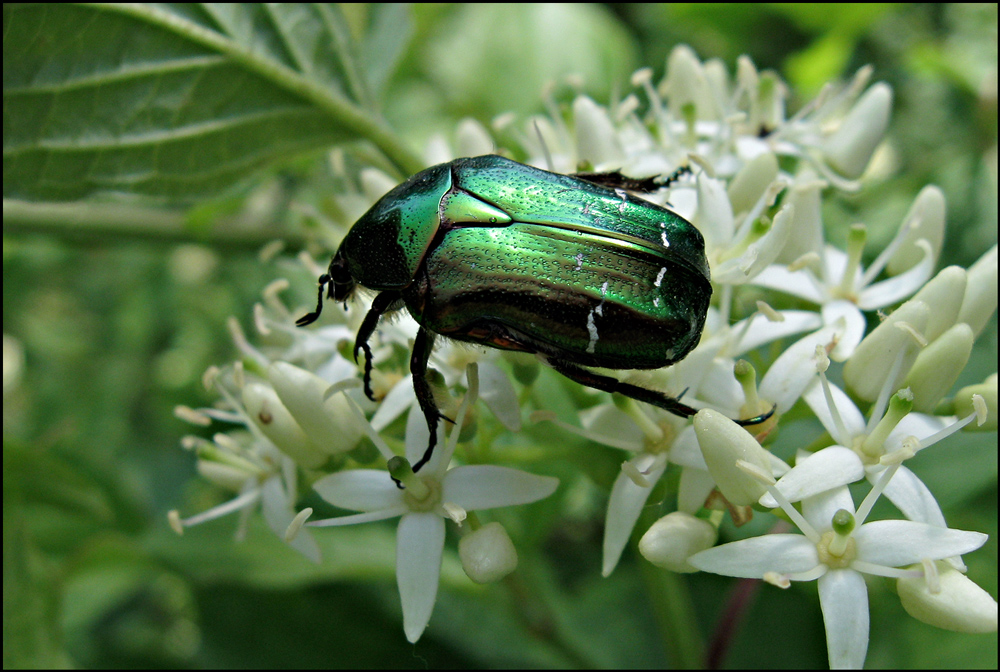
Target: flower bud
958 604
723 443
943 295
751 181
964 407
927 217
980 293
671 540
488 554
938 366
850 148
872 362
686 86
596 139
329 424
277 424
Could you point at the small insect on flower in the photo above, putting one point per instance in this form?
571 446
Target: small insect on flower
572 268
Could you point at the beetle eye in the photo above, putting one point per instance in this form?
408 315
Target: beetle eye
341 283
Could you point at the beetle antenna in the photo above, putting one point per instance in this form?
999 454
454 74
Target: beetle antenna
313 316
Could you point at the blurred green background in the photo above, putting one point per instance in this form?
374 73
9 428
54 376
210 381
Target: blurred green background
113 310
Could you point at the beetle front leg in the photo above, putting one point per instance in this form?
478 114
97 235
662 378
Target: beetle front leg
379 306
658 399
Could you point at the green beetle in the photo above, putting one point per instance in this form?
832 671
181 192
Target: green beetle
490 251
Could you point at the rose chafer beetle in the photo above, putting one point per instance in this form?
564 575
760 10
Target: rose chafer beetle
490 251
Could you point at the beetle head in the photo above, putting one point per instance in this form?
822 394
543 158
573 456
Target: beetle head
341 284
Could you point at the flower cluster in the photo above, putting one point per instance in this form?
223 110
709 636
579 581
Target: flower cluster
755 191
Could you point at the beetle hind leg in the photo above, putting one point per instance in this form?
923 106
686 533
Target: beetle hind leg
658 399
609 384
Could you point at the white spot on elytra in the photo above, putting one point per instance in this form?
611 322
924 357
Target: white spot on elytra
591 324
592 329
663 234
579 261
659 276
621 194
656 301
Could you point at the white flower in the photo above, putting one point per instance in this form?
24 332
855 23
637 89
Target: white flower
431 496
837 547
248 463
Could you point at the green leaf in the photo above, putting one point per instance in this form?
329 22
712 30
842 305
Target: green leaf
184 100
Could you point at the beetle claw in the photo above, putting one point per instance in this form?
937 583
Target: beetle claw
756 420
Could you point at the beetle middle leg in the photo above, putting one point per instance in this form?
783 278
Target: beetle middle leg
658 399
422 347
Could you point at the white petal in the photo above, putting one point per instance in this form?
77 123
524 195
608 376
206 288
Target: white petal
608 425
897 543
762 331
686 452
715 214
819 509
417 439
400 398
419 544
919 425
829 468
758 255
844 600
912 497
852 423
894 290
693 368
719 386
807 231
472 139
359 490
795 368
854 327
485 486
694 488
754 557
497 392
834 265
802 283
278 513
626 503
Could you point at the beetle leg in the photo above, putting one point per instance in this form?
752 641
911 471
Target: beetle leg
658 399
608 384
422 347
379 306
674 176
